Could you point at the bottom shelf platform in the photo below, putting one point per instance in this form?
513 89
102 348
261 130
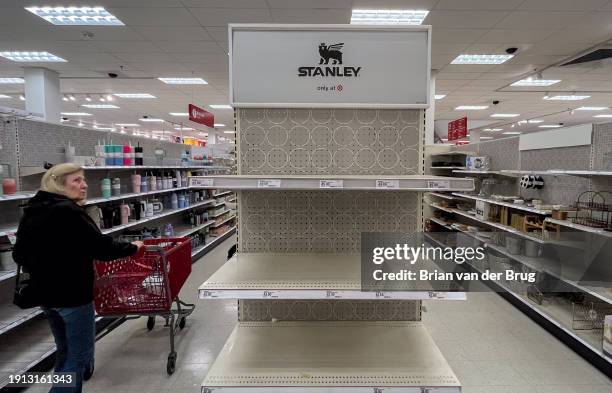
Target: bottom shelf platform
326 357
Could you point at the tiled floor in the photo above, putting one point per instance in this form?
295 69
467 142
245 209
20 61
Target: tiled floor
491 346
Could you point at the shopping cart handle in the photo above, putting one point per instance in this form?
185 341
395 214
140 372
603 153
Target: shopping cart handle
153 248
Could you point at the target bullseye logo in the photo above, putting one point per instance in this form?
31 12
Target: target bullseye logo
340 88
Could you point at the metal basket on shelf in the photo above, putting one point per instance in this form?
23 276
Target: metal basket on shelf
589 315
593 210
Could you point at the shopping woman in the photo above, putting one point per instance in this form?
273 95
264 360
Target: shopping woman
57 243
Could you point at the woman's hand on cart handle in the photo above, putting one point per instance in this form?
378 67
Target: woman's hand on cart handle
138 244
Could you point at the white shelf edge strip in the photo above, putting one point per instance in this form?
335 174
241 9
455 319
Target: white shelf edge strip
189 231
156 217
579 227
501 203
212 243
219 214
22 318
223 222
316 294
95 201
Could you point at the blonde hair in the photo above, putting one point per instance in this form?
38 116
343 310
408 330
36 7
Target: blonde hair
55 178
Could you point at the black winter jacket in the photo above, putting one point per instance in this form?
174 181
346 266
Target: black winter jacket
57 242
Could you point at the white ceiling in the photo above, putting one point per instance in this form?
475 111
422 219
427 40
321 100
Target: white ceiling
189 38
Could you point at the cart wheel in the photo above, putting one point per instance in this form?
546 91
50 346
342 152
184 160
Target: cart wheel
151 323
182 322
171 366
89 372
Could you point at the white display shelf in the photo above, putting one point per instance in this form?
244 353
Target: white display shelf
328 357
183 232
436 206
444 196
440 222
507 204
12 316
211 244
19 196
224 221
584 228
161 167
221 194
366 182
493 224
302 276
447 167
483 173
580 173
217 204
155 217
95 201
219 214
7 274
455 153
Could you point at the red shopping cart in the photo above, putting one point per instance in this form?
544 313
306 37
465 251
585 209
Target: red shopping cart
146 284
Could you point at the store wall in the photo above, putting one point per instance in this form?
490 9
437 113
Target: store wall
326 142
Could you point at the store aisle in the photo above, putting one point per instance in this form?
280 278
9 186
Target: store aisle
492 347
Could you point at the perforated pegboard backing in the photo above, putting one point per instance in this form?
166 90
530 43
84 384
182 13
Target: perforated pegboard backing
321 221
8 149
329 141
601 148
40 141
332 142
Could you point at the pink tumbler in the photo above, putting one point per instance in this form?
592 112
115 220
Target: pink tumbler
136 181
9 186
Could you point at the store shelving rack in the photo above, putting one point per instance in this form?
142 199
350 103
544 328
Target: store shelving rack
556 318
21 159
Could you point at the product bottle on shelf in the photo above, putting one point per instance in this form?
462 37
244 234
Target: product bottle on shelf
127 155
106 188
144 184
116 186
169 231
160 182
152 182
139 155
174 201
109 156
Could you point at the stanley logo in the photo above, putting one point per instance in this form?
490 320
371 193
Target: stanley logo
329 53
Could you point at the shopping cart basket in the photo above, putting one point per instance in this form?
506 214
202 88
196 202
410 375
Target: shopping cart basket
146 284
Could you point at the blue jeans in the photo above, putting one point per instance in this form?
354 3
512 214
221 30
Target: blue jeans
74 332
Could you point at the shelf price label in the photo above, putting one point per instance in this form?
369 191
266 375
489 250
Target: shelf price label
439 184
268 183
387 184
269 295
333 295
208 294
199 182
331 183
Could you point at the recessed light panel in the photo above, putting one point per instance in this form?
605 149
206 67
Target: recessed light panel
486 137
127 124
220 106
511 133
134 95
76 16
100 106
481 59
388 17
493 129
604 116
471 107
535 82
505 115
592 108
151 120
219 125
566 98
32 57
440 96
11 81
179 114
183 81
76 114
4 96
550 126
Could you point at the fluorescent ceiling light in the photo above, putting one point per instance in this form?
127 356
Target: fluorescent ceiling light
481 59
530 82
566 98
32 57
219 125
3 96
220 106
604 116
11 81
471 107
101 106
105 128
151 120
229 132
440 96
592 108
76 114
76 16
134 95
511 133
505 115
183 81
179 114
127 124
486 137
183 128
388 17
535 121
550 126
493 129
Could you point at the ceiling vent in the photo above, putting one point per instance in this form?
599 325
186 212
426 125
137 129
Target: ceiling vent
598 58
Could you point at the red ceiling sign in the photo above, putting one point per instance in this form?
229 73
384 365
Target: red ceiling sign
199 115
457 129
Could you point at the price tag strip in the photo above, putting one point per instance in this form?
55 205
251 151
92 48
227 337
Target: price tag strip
268 183
438 184
387 184
315 294
331 183
200 182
